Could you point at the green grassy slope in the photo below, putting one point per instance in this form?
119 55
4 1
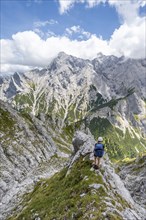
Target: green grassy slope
71 195
118 144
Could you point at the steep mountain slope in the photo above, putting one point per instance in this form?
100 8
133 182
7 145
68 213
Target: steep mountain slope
79 192
106 95
133 173
27 152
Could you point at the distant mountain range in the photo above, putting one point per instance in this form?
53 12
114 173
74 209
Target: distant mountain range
108 90
41 110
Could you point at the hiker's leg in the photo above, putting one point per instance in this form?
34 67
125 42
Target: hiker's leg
94 159
98 161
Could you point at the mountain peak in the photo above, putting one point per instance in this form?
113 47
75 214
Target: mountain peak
100 54
62 55
101 57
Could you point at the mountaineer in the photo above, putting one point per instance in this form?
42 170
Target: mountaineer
98 152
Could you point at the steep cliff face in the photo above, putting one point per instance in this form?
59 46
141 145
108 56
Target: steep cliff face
27 152
80 192
133 174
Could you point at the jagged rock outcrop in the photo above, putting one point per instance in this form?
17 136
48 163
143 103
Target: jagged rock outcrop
134 192
80 139
82 144
133 174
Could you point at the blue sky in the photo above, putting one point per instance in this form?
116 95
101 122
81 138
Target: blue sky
21 15
40 29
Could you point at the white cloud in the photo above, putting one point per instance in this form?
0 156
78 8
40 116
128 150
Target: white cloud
127 9
7 68
78 30
129 40
68 4
92 3
50 34
39 28
39 32
73 29
44 23
29 49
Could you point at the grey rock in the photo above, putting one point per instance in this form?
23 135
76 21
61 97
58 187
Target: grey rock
134 178
113 184
70 81
24 158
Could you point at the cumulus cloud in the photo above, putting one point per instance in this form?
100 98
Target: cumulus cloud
121 6
29 49
67 5
127 10
132 38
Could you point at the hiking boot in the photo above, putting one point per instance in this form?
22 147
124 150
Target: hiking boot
96 167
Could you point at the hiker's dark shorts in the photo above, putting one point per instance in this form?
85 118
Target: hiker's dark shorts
99 154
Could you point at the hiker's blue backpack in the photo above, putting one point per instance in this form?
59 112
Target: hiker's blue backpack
99 150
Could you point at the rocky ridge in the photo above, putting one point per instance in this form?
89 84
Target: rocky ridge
89 194
131 186
133 174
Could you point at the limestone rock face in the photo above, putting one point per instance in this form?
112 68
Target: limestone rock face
26 152
132 193
83 144
79 139
134 178
70 84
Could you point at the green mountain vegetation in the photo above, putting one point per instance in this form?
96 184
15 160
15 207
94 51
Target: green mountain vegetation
77 193
118 144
